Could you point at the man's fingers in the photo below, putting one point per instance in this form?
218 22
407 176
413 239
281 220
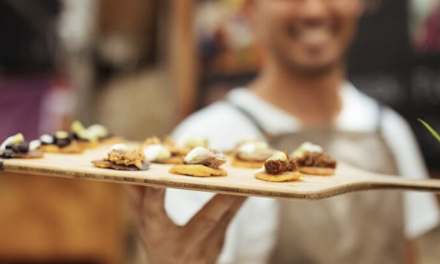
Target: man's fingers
220 209
224 222
153 208
135 194
216 237
213 244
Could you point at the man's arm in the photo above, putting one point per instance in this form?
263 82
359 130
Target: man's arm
199 241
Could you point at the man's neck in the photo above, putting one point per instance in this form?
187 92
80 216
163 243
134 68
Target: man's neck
313 99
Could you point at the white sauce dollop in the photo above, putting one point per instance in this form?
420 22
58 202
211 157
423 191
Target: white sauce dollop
195 153
253 147
120 147
156 152
34 144
306 147
47 139
12 140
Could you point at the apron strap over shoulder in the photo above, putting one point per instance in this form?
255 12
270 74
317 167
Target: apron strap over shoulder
250 117
257 124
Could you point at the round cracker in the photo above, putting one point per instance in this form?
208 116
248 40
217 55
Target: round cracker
51 148
105 164
197 171
317 171
72 148
283 177
246 164
87 144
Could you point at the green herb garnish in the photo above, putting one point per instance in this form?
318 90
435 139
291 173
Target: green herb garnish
433 132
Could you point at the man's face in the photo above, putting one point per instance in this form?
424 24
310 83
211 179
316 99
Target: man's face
310 36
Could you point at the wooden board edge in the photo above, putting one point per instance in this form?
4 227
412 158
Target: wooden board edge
188 186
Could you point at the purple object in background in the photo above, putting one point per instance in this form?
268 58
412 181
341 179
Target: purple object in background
21 101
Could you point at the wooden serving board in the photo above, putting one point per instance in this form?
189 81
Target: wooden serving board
239 181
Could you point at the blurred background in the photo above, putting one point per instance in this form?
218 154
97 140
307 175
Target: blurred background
141 66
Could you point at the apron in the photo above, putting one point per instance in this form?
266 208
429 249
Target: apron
362 227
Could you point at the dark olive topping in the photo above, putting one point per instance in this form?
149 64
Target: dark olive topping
15 148
21 147
62 142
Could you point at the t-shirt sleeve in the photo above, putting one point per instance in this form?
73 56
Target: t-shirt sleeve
421 209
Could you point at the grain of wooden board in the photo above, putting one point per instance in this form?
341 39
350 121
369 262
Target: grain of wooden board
238 182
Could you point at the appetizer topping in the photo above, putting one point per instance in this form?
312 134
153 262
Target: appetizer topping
207 157
98 131
316 159
47 139
61 135
306 147
278 164
92 133
121 147
193 142
81 133
12 140
62 139
34 144
16 147
19 147
122 155
79 130
252 147
254 151
279 155
156 152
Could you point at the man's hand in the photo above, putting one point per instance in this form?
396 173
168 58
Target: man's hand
199 241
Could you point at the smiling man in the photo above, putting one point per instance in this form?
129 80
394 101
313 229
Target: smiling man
299 95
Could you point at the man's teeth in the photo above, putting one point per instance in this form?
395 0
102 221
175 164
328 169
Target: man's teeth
316 35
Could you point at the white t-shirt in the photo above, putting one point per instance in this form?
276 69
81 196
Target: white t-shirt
252 234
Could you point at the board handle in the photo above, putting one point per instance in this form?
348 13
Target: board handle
393 182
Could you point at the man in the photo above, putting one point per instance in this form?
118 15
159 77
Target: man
300 94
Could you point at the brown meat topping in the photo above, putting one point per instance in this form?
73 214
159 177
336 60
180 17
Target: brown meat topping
134 157
316 159
274 167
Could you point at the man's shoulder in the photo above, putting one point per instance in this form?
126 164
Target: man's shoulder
220 123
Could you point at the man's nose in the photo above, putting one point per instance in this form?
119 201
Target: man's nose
314 11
